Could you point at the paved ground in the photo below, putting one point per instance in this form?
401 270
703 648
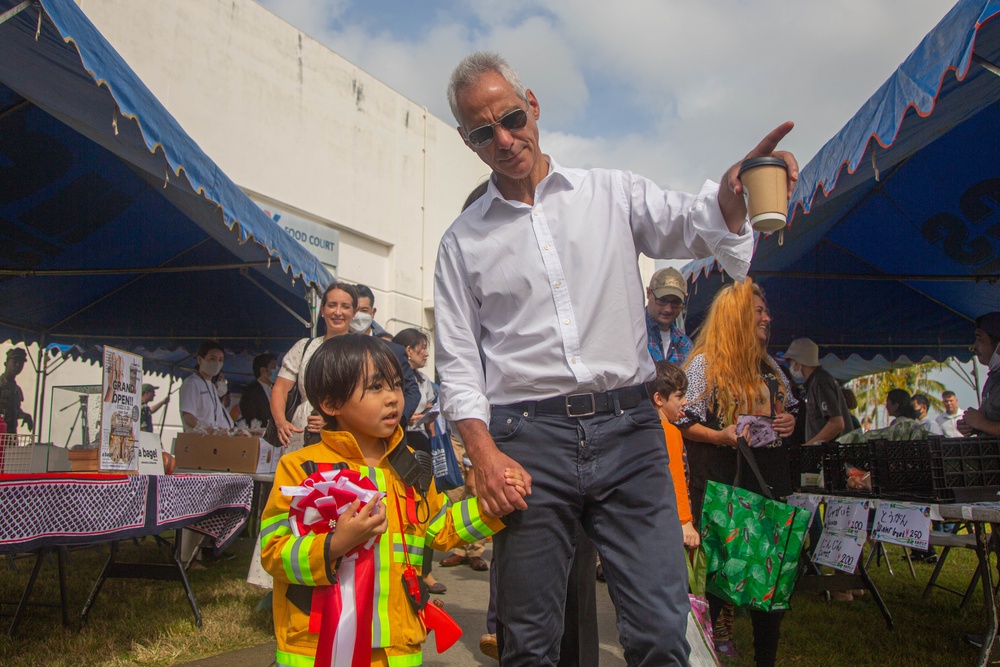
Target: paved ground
466 600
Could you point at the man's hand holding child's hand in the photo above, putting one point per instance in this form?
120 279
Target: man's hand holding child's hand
514 478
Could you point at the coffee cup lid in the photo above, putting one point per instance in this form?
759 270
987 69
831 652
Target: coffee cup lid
750 163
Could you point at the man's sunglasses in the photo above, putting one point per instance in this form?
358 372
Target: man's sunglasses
483 136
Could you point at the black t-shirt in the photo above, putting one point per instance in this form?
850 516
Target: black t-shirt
824 399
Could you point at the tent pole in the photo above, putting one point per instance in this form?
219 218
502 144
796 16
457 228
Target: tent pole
313 310
975 376
278 301
40 388
163 417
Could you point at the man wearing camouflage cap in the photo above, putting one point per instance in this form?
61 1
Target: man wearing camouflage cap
665 299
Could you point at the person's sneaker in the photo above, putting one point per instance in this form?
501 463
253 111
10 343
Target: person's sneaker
976 640
726 649
842 596
488 646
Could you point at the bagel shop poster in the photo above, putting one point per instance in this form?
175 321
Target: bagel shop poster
121 392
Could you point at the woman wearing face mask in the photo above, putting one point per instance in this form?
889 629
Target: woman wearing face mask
340 301
729 374
201 392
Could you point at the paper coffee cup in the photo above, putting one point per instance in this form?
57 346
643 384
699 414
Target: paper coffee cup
765 191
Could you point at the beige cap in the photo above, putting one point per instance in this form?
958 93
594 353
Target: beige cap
668 282
803 351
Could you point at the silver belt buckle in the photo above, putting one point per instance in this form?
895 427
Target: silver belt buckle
584 412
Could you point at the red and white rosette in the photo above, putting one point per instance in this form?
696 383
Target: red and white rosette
342 613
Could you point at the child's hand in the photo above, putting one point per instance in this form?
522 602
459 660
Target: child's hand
357 526
513 477
691 537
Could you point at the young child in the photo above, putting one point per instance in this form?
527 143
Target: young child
668 394
355 381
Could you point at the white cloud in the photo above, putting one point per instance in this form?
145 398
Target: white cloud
689 87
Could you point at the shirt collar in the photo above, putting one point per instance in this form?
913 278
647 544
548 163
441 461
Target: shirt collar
344 444
557 174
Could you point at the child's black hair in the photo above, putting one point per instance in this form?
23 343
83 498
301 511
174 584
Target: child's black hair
340 365
669 379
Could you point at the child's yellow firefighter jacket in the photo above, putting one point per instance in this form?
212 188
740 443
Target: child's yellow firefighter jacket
298 564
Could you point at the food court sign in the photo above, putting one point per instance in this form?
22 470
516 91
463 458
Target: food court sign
320 240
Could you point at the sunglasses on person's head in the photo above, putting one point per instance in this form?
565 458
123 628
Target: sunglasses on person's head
482 136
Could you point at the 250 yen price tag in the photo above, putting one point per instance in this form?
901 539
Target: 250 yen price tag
905 524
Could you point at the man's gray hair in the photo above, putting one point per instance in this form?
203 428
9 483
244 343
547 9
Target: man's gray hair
474 66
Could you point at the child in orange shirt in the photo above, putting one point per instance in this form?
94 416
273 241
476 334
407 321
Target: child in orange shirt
668 394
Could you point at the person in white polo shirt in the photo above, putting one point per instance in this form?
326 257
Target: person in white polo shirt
201 396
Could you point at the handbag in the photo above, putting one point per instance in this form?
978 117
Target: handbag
752 543
447 474
292 403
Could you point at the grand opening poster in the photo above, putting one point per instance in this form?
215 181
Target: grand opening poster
122 393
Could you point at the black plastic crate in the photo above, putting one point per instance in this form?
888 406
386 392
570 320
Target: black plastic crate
903 469
858 454
807 460
967 469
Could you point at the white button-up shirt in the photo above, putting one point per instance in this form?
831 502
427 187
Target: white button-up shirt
546 300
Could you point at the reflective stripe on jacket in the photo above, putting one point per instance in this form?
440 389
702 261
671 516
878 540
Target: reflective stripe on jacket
298 564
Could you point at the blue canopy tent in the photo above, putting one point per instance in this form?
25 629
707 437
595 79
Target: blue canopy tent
115 227
893 241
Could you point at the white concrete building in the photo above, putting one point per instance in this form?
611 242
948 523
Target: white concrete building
307 135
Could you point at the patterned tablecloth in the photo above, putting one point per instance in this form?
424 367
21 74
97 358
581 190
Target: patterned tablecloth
72 509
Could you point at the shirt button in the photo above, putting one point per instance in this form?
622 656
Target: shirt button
566 322
535 212
557 284
573 360
545 247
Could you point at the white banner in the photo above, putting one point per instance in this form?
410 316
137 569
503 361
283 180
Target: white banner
122 395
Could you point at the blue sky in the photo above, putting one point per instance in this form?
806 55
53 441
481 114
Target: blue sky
676 90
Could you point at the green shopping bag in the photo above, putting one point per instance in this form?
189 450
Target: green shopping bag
752 544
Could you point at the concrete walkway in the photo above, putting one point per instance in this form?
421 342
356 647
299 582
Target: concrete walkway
466 601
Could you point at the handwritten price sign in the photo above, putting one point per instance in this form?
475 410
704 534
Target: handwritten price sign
839 551
807 501
905 524
846 516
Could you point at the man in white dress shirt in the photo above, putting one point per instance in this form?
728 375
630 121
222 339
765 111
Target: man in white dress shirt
541 347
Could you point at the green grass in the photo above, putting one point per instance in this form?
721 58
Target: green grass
133 622
137 622
926 632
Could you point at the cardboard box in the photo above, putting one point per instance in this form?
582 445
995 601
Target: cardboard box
84 460
222 453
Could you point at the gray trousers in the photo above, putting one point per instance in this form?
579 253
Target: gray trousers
608 473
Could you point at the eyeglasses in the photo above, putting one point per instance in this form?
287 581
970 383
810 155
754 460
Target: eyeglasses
665 301
483 136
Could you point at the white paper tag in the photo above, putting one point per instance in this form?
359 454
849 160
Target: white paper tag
905 524
847 515
838 550
150 454
807 501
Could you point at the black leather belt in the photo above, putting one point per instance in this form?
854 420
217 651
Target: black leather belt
587 404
